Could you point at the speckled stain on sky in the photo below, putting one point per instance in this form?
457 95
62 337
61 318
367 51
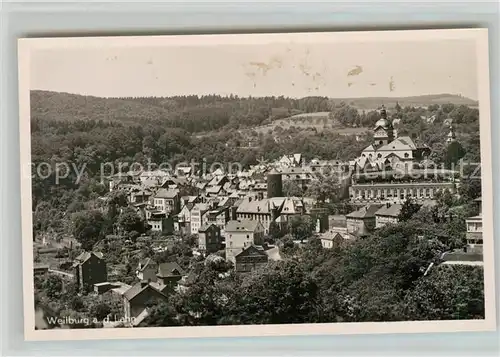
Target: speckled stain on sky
355 71
392 85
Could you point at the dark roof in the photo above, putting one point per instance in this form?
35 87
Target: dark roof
205 227
167 270
137 289
82 258
257 248
365 212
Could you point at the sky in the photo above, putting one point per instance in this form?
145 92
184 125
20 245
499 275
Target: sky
295 69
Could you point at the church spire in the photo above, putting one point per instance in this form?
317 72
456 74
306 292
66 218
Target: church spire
383 112
451 135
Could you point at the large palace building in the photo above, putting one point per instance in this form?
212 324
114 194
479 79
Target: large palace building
395 167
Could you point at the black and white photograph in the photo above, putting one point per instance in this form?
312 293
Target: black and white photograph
256 184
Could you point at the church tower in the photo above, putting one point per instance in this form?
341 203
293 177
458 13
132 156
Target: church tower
383 133
451 135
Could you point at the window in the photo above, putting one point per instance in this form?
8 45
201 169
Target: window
380 142
248 236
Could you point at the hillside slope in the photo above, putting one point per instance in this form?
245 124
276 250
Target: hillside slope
69 107
372 103
46 105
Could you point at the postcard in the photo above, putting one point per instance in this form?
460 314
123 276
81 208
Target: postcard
256 184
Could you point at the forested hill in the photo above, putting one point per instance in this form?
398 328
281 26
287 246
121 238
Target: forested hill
205 113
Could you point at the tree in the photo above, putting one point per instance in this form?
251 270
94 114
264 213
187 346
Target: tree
76 303
470 189
275 231
292 189
454 152
327 187
53 286
301 226
408 209
281 294
129 221
447 293
115 200
100 311
88 228
163 314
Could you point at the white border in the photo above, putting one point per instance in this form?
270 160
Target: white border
25 48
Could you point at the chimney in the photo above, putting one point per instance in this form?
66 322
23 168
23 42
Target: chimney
145 282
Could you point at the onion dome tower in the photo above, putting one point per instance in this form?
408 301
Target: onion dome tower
451 137
383 133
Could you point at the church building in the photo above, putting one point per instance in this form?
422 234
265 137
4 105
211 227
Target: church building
390 169
388 150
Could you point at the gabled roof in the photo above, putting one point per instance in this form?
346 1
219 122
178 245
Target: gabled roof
218 172
169 270
189 198
201 185
252 250
143 264
254 206
242 225
82 258
369 148
367 211
189 206
202 207
214 189
205 227
392 211
331 235
166 193
138 288
401 143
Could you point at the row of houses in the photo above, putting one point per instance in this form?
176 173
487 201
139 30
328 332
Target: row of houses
360 222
